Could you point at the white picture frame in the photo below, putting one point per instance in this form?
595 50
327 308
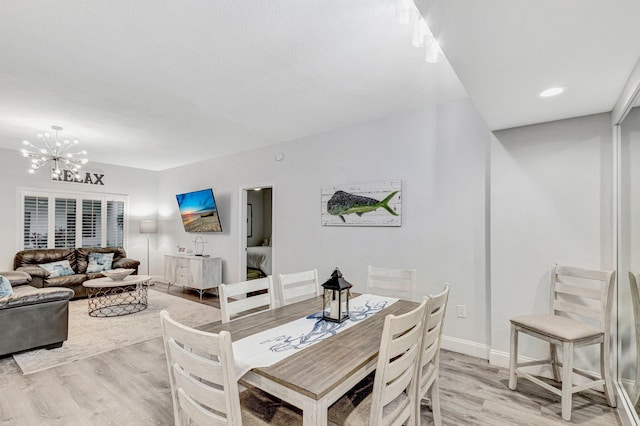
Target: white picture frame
369 204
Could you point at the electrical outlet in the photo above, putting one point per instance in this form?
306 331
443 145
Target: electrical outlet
462 311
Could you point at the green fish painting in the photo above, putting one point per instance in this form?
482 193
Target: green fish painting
342 203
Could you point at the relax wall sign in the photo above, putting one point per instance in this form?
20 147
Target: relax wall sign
87 178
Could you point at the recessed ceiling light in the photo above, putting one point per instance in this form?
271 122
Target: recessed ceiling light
553 91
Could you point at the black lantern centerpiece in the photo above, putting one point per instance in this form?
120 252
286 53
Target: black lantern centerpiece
335 303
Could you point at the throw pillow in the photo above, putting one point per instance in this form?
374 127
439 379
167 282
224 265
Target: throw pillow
61 268
99 262
5 287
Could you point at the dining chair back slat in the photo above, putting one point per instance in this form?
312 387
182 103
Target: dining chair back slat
193 413
586 297
235 298
400 283
298 286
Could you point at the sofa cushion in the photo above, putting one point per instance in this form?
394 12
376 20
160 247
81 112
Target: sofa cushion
34 271
39 256
61 268
17 277
27 295
66 281
99 262
5 287
82 255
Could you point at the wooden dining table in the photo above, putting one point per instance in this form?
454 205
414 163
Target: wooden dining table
315 377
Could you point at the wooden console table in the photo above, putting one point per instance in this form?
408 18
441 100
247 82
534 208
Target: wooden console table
198 272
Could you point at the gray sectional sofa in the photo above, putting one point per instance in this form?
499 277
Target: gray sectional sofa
33 317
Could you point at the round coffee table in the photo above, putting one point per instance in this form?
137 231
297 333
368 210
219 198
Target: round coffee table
111 298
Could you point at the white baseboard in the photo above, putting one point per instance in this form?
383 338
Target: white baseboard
466 347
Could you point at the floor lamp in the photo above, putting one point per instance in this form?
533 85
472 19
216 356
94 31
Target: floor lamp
148 227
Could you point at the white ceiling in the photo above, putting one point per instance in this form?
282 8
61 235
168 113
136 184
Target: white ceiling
506 51
160 83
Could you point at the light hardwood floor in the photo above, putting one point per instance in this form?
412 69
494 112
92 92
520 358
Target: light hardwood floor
130 386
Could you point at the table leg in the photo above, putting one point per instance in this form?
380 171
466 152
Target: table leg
314 413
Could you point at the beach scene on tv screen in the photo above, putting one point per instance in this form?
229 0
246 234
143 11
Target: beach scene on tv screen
199 212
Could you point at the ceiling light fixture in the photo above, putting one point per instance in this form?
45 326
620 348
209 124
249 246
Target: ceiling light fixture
553 91
406 10
434 53
56 153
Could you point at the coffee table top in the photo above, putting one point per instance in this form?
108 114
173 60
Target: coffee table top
108 282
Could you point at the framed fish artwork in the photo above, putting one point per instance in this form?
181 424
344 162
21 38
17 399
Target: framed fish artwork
370 204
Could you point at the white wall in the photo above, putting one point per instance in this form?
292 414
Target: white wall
140 185
439 153
551 202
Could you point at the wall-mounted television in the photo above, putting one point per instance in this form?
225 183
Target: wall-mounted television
199 211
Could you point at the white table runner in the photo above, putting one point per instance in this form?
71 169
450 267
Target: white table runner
270 346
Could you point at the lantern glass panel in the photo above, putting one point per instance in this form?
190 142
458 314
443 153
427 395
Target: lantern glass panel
344 298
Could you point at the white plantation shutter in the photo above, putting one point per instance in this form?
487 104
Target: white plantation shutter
65 222
36 222
56 219
115 223
91 223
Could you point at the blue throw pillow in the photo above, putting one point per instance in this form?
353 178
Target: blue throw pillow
99 262
5 287
61 268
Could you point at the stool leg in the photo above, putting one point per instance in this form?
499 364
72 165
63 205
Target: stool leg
553 349
435 403
605 371
567 375
513 358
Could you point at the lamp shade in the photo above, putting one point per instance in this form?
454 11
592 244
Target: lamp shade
148 226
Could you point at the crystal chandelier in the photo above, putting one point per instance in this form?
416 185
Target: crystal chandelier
56 153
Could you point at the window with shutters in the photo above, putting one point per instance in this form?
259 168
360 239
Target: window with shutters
65 223
115 223
61 220
91 223
36 219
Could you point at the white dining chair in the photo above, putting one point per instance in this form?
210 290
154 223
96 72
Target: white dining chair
392 398
236 299
390 282
580 315
298 286
204 387
429 361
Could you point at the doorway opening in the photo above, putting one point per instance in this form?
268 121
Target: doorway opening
257 231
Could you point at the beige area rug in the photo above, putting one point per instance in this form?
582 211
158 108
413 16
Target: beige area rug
90 336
